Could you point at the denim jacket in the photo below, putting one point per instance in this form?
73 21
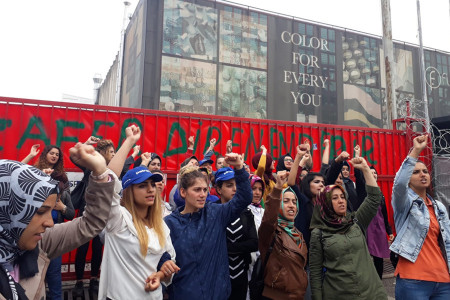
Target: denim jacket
412 218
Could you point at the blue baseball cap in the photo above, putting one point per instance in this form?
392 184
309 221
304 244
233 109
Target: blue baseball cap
204 161
224 174
138 175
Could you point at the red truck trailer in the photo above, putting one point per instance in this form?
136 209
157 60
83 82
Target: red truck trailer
24 123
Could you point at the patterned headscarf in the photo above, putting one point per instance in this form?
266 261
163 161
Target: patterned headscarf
324 217
23 189
253 180
288 226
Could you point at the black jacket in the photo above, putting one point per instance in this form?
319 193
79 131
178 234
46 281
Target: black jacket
333 174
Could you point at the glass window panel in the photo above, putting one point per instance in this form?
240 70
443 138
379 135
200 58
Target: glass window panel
301 28
332 74
242 92
187 86
332 60
263 19
239 43
332 46
301 68
190 31
332 86
331 35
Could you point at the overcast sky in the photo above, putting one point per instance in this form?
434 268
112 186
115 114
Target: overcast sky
54 47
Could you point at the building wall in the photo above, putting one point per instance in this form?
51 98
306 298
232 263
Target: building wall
107 91
214 58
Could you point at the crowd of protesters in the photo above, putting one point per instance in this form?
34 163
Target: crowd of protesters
224 232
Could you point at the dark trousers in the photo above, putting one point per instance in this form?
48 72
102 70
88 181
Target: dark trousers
80 258
378 262
239 287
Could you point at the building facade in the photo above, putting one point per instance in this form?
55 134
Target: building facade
211 57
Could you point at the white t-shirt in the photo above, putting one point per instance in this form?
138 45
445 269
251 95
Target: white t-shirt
258 213
124 269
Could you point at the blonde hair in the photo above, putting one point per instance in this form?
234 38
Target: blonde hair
187 176
153 219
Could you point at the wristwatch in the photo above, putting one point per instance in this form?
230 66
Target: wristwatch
63 211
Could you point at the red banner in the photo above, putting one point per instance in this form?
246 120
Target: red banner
24 123
27 122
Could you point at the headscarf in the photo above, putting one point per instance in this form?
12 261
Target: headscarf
268 175
253 180
23 189
280 165
153 156
187 160
345 163
324 217
284 223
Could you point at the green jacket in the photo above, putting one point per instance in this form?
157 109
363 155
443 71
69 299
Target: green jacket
350 272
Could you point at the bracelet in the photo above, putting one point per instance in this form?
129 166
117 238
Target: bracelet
63 211
101 176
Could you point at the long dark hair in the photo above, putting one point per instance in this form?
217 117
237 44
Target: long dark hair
430 190
307 180
42 163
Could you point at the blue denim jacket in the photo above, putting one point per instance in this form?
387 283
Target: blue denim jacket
412 218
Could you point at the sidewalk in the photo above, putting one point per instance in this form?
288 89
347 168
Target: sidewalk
388 282
389 279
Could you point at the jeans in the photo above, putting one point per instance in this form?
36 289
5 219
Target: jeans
410 289
53 278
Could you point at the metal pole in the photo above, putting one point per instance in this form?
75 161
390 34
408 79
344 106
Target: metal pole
422 71
389 63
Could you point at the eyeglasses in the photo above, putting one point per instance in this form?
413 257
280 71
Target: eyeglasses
288 159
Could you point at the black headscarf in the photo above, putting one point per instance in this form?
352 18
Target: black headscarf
280 165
